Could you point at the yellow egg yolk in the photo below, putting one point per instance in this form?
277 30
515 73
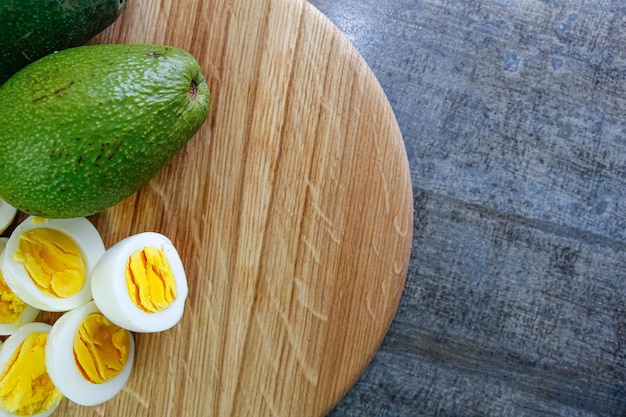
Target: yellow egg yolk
150 280
25 387
52 260
101 348
11 307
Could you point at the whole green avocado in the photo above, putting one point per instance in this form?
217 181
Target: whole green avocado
86 127
31 29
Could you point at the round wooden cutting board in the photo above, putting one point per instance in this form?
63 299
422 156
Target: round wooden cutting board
291 208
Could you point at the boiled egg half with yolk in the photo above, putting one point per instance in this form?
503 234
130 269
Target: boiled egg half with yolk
25 386
13 311
140 283
88 358
48 262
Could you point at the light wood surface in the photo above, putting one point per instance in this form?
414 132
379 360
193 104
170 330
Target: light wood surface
291 208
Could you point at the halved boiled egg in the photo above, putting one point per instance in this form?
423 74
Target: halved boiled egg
7 214
88 358
48 262
140 283
13 311
25 386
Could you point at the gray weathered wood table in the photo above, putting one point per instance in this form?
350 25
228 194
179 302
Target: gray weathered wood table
514 118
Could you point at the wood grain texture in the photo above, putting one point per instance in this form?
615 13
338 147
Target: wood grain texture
291 209
514 117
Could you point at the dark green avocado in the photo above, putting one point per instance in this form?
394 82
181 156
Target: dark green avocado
31 29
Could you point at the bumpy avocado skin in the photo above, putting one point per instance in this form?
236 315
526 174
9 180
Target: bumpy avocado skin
86 127
31 29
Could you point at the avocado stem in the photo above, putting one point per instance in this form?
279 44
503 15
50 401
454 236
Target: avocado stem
193 90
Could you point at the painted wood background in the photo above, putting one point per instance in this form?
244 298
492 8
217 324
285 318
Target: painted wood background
513 113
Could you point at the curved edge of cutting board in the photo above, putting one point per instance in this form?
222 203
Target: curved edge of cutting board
292 210
388 158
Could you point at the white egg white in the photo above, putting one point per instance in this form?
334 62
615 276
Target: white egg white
88 240
7 214
8 348
110 292
62 367
28 315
